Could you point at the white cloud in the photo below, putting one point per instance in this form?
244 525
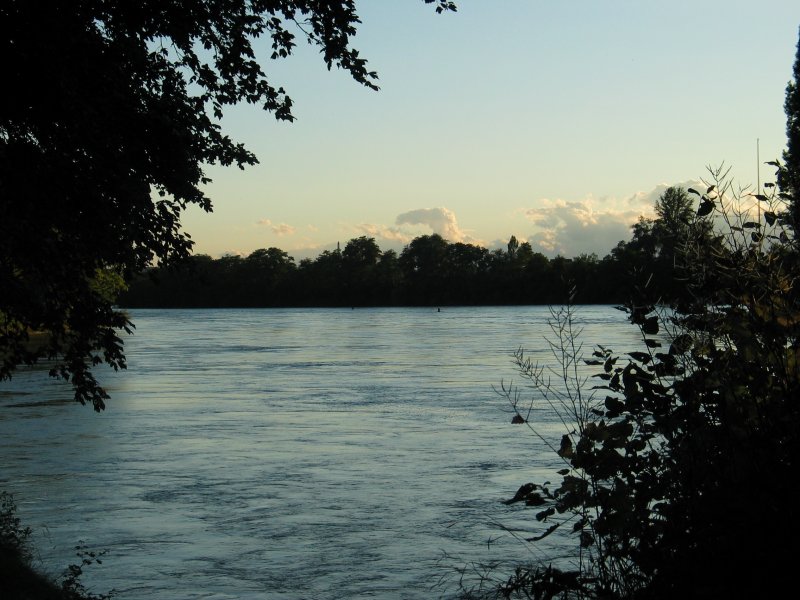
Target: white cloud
440 220
279 229
382 232
573 227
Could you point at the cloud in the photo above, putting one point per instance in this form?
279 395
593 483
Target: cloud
643 202
575 227
440 220
383 232
279 229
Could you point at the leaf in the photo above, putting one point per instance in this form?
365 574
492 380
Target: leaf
550 530
652 343
751 225
773 163
693 191
522 493
756 237
705 208
770 217
642 357
762 197
710 189
534 500
541 516
681 344
613 404
650 326
563 471
566 450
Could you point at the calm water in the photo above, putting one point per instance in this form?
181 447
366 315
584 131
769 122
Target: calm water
289 453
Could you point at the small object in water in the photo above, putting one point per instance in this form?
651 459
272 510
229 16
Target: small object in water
517 420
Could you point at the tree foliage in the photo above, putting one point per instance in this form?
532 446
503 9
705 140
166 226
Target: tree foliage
112 111
789 174
684 454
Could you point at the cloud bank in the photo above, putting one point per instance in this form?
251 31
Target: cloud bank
591 225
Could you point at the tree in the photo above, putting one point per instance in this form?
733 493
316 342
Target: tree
423 263
359 259
789 174
112 112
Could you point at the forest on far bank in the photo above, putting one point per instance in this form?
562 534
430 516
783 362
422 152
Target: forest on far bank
430 271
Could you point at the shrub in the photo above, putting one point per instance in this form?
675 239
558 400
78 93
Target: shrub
681 463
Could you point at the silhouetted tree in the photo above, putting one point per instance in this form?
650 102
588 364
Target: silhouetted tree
423 265
359 259
111 113
789 174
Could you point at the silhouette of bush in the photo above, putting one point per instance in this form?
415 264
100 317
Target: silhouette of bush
681 459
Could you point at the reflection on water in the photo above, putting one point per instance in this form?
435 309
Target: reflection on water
288 453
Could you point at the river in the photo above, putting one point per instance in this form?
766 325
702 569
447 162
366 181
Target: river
291 453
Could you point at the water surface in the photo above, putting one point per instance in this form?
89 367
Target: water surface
297 453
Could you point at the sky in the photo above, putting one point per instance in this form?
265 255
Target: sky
557 122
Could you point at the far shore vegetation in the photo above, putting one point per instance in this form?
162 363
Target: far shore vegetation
430 271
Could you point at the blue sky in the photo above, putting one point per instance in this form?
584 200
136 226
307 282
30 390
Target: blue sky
557 122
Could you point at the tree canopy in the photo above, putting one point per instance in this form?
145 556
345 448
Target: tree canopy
111 112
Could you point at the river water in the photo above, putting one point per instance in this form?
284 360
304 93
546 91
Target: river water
297 453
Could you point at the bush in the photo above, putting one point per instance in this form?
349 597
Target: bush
681 468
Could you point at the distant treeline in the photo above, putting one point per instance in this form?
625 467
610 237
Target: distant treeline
430 271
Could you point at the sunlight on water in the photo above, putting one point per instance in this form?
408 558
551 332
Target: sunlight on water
290 453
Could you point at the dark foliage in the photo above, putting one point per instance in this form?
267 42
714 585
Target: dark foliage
111 111
789 174
684 454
